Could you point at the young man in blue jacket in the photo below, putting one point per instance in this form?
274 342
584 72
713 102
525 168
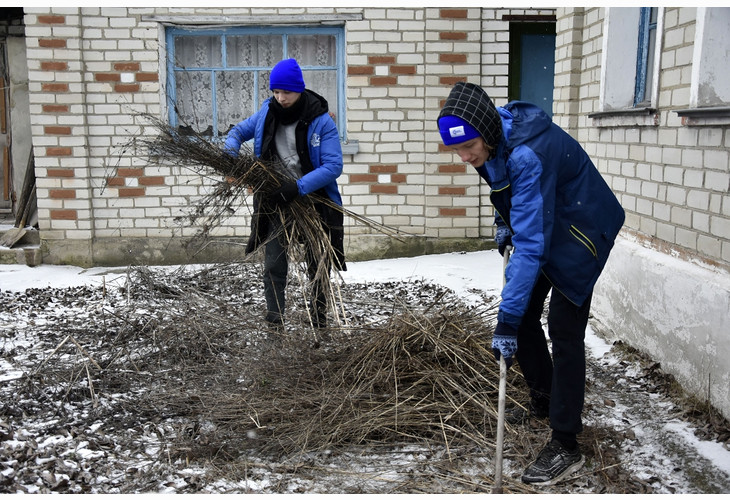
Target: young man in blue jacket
562 218
295 132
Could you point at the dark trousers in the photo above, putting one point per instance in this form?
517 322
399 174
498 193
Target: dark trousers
276 268
558 380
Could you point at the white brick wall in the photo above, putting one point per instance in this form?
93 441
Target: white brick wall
671 179
664 176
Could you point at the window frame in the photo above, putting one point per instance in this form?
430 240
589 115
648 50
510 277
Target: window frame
644 57
617 95
337 31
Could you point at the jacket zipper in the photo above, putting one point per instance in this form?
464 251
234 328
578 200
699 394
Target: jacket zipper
584 239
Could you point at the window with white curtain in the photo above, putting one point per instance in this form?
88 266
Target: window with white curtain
218 77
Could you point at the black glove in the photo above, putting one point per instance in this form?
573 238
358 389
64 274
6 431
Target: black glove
284 194
503 238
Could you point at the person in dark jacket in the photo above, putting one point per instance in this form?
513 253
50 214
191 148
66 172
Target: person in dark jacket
293 130
556 210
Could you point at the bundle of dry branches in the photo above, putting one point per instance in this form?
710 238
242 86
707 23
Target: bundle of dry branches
232 180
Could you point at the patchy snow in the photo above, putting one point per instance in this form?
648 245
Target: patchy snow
660 447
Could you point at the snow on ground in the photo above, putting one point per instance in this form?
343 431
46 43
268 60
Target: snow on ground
658 447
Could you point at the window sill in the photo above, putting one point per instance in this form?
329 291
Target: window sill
635 117
705 116
350 147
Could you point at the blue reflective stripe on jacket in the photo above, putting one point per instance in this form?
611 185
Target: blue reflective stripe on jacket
563 216
323 141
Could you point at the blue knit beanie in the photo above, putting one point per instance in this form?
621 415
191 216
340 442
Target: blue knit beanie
287 75
455 130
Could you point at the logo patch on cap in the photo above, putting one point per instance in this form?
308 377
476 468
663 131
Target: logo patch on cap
457 131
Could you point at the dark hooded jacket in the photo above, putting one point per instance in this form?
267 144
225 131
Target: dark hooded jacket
563 216
320 153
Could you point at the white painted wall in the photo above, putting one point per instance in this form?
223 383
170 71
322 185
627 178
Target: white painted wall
710 68
677 311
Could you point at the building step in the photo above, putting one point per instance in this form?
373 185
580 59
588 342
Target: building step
25 251
29 255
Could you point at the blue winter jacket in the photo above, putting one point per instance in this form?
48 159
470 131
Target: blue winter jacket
563 216
323 141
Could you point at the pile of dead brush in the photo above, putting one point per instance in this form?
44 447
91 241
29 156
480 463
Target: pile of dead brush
184 355
422 372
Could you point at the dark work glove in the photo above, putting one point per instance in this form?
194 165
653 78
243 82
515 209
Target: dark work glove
504 342
284 194
503 238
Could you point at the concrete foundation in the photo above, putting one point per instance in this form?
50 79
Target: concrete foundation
675 311
174 251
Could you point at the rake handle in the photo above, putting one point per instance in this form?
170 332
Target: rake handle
501 400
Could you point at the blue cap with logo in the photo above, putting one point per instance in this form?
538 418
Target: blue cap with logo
455 130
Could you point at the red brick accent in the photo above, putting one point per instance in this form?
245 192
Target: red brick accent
64 215
363 178
51 19
383 80
131 192
115 181
126 87
130 172
452 35
452 58
146 77
451 80
383 169
54 66
55 87
452 212
60 172
452 190
56 130
52 43
403 70
58 151
384 189
452 168
126 66
381 59
62 194
360 70
453 13
107 77
398 178
55 108
152 181
444 148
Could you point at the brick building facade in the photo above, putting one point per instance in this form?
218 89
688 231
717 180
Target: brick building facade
92 70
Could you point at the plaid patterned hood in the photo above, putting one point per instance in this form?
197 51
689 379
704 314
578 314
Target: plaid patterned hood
471 103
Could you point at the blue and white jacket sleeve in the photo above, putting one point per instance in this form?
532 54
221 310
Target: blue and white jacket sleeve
242 132
531 217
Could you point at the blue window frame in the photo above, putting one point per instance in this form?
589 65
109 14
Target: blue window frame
645 56
218 77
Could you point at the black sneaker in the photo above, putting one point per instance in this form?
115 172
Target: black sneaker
274 318
553 464
519 415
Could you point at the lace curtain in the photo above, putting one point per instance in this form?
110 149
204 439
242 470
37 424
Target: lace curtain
242 84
